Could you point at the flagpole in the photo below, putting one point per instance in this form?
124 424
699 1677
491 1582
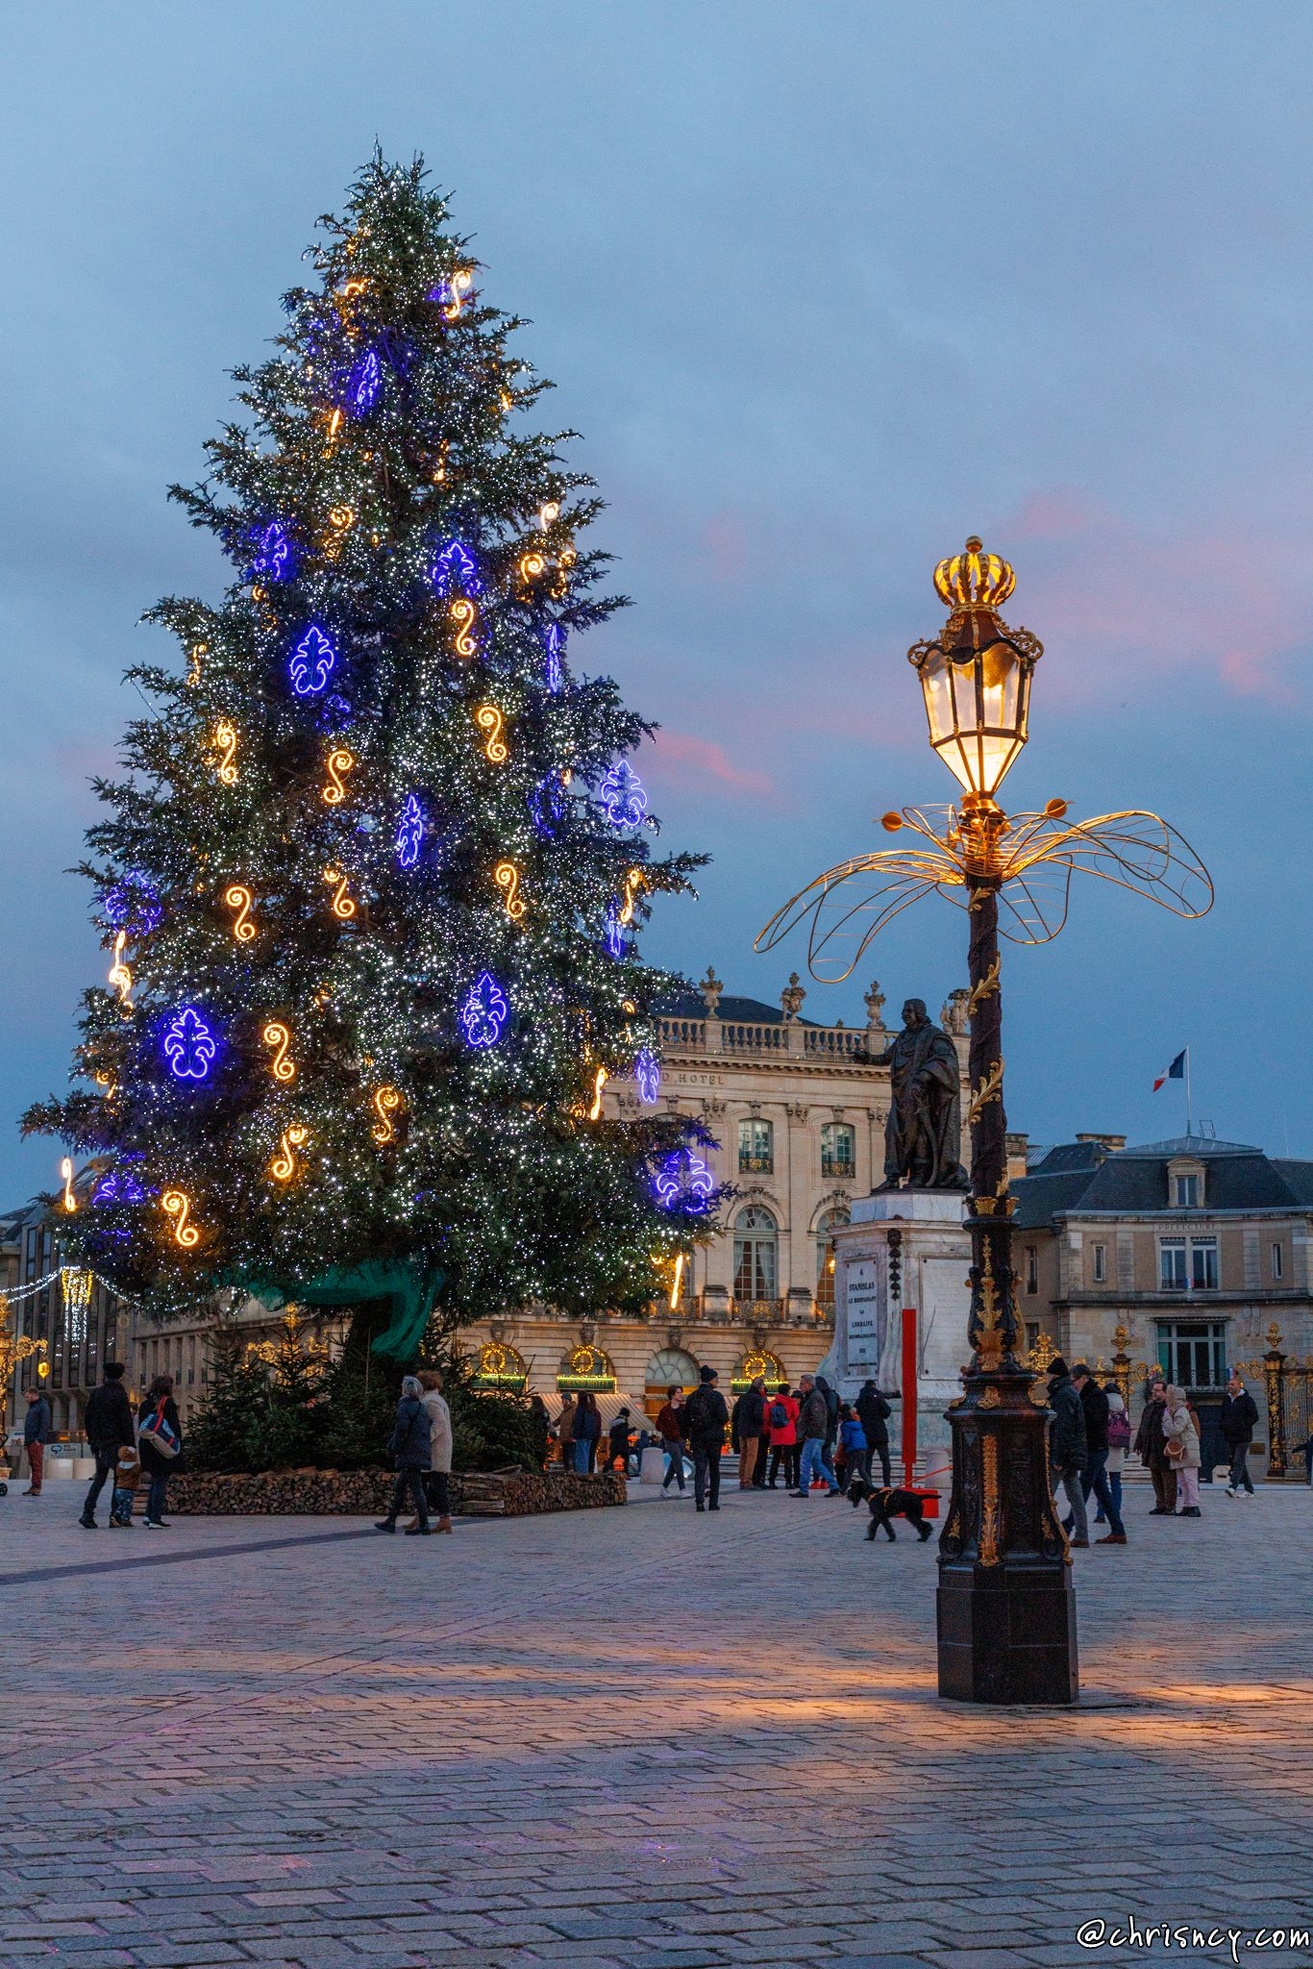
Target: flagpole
1187 1093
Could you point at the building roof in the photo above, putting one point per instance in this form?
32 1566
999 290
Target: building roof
690 1005
1077 1178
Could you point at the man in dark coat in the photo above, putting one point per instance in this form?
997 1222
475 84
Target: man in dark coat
705 1420
1068 1453
873 1413
1094 1403
812 1425
109 1429
411 1445
1151 1448
751 1412
36 1434
1239 1420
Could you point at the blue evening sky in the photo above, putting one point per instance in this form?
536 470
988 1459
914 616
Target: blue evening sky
825 287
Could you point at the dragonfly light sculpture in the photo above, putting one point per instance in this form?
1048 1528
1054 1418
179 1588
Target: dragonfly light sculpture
1006 1610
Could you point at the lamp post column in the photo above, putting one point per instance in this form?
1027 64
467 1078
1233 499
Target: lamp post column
1005 1606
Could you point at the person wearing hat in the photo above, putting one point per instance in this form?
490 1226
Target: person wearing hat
705 1420
1068 1454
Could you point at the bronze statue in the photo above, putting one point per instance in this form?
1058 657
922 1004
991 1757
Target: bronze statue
923 1134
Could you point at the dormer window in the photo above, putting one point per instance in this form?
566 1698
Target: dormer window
1185 1185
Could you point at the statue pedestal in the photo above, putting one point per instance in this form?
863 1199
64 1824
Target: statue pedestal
936 1256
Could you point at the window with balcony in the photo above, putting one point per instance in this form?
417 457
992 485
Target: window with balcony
1192 1353
1171 1264
1100 1264
756 1250
756 1147
1203 1264
838 1149
825 1255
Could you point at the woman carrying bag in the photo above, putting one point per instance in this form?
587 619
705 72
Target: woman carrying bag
1181 1444
159 1445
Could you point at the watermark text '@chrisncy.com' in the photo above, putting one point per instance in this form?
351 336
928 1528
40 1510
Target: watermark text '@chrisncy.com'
1185 1935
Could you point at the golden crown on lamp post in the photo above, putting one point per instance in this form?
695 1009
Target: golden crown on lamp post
975 677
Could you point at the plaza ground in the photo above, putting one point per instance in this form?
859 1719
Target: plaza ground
636 1739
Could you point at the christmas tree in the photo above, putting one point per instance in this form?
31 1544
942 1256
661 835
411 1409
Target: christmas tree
373 882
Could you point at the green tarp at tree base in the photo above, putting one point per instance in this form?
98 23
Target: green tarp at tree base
412 1294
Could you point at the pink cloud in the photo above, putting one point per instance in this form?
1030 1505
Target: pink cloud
685 759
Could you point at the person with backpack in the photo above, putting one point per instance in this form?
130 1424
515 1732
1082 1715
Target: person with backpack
852 1441
411 1445
782 1415
1098 1416
159 1446
1239 1420
705 1420
873 1412
670 1428
1119 1441
109 1429
813 1421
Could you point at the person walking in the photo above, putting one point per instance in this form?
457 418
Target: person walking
1239 1420
670 1428
852 1436
1097 1410
36 1434
1119 1441
1150 1447
437 1485
109 1429
705 1420
618 1442
751 1410
763 1440
1068 1454
587 1433
874 1412
159 1446
1181 1437
831 1416
813 1421
782 1414
411 1447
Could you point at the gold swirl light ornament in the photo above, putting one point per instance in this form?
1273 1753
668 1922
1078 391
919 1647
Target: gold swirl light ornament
277 1036
119 974
283 1166
600 1079
489 719
387 1100
464 615
339 761
507 877
343 906
225 740
177 1205
238 897
634 883
66 1171
458 286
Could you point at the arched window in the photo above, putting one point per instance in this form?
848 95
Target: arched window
756 1247
825 1254
671 1368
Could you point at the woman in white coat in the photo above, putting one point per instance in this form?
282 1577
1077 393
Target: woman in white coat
1179 1428
435 1483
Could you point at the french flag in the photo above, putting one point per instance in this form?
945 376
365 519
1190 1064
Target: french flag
1176 1071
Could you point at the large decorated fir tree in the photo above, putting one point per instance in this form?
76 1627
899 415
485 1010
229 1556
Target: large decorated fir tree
373 883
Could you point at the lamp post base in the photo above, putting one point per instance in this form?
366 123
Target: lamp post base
1008 1636
1006 1607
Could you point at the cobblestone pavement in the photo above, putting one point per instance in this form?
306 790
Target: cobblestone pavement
636 1739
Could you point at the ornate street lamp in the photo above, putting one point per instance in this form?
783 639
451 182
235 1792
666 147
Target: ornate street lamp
1007 1616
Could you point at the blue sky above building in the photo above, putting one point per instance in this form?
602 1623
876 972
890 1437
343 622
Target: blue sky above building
825 290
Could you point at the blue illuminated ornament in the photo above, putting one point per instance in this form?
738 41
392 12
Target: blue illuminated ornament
613 935
273 561
132 905
455 571
410 832
118 1186
548 806
364 384
683 1182
623 795
484 1011
312 662
647 1072
189 1045
554 644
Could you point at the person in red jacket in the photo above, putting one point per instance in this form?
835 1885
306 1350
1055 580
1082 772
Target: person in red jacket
782 1414
670 1428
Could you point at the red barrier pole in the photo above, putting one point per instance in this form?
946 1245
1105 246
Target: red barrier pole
909 1395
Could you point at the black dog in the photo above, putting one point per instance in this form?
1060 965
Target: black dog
887 1504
